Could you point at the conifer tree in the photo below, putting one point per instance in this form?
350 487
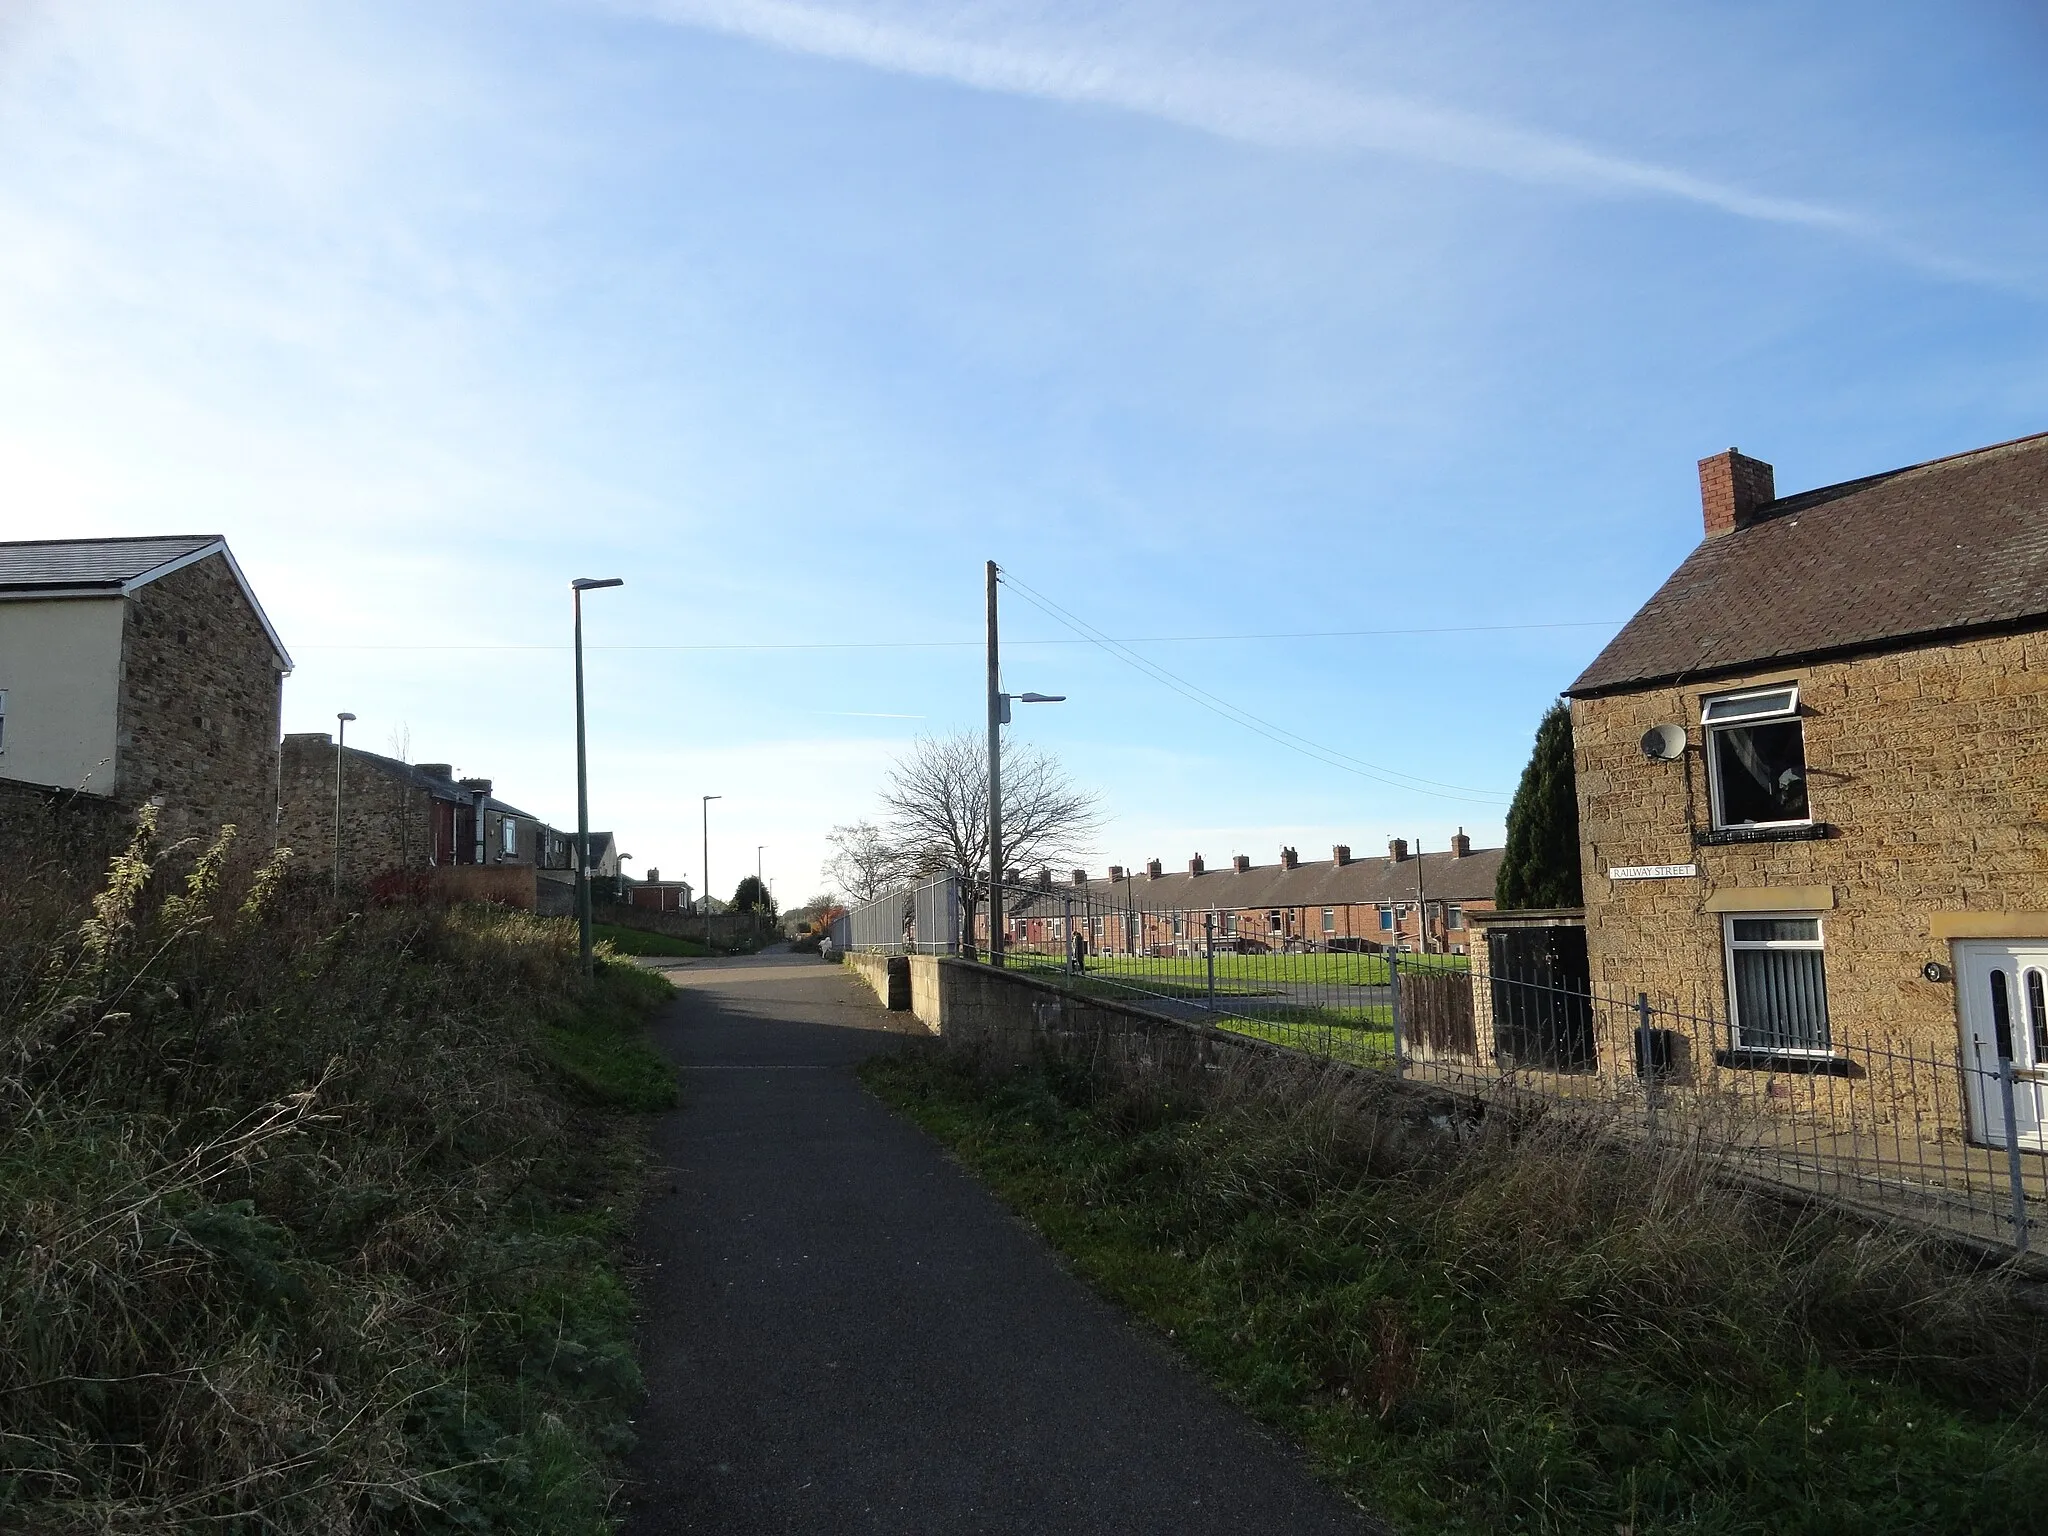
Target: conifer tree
1540 865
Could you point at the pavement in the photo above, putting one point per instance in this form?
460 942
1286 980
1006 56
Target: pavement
843 1332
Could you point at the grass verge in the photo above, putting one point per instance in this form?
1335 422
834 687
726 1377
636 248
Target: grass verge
309 1216
638 941
1516 1327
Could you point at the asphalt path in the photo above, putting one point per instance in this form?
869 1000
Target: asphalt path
843 1332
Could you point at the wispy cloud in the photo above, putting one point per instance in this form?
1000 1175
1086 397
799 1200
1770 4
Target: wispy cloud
1243 102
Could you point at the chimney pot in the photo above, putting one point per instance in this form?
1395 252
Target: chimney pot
1734 490
653 875
477 786
1289 859
1240 862
1341 855
1397 848
1461 845
1195 865
1153 870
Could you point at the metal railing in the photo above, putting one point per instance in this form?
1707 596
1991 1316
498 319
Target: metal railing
1904 1128
922 919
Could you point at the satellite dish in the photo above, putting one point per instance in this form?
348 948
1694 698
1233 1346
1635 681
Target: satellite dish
1664 743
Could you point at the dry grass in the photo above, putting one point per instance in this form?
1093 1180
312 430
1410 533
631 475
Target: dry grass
1514 1322
302 1219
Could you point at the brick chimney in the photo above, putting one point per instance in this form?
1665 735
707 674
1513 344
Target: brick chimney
1240 862
1461 845
1080 877
653 875
1397 848
1195 865
1341 855
1009 877
1116 873
1153 870
1045 879
444 771
1289 859
1734 489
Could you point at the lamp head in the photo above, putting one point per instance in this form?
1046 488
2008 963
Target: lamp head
344 715
592 583
1041 698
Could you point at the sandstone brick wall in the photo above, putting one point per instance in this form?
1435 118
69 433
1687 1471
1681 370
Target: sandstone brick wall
386 824
200 705
1923 765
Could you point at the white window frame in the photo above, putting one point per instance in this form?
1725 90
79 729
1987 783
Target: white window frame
1818 944
1454 916
1230 925
1329 920
508 836
1736 717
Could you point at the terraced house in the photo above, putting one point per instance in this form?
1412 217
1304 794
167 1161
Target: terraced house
1812 807
1406 900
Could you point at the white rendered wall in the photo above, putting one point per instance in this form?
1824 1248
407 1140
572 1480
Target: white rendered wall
60 663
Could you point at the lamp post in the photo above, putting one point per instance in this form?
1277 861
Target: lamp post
577 588
341 721
998 717
757 864
707 862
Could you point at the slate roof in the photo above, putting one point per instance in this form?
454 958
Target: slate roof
1321 884
73 564
1919 555
55 568
415 777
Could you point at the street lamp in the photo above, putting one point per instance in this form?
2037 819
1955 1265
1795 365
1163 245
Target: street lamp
707 861
341 721
577 588
757 864
998 717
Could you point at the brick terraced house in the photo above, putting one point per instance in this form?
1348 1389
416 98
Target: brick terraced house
1812 808
141 670
1405 900
398 816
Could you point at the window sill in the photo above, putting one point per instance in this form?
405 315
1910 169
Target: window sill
1722 837
1796 1063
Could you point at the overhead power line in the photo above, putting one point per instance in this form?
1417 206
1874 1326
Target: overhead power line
1293 741
943 645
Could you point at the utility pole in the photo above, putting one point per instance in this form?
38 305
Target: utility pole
577 588
340 741
1421 905
707 862
995 782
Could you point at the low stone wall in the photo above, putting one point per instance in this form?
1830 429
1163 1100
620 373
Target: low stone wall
888 975
723 930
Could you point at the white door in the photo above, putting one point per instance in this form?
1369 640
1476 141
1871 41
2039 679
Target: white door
2005 1012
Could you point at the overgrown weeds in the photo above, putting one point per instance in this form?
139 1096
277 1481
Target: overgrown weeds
306 1214
1517 1323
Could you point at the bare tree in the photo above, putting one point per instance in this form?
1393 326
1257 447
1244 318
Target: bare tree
936 802
865 862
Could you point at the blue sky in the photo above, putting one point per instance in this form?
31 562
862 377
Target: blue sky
1204 319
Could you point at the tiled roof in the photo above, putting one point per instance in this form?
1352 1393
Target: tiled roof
415 777
1325 884
73 564
1912 556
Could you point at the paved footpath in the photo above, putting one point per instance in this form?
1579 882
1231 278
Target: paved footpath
843 1332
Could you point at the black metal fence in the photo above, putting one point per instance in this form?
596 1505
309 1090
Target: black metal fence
1905 1129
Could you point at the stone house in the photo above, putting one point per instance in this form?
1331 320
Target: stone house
398 816
137 671
1410 901
1812 818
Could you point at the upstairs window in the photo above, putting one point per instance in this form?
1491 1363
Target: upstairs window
1756 759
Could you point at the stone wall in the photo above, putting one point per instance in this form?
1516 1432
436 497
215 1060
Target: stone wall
200 706
386 823
1920 767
